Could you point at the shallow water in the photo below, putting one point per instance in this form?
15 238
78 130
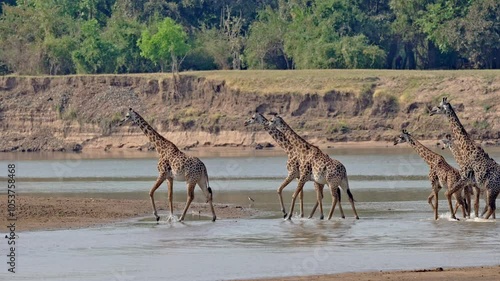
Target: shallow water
395 230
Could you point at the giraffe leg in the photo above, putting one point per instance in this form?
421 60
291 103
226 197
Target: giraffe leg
301 197
430 199
463 205
203 184
477 194
457 187
170 182
460 202
468 195
159 181
449 195
345 185
436 205
300 186
335 198
287 181
190 197
434 193
209 198
491 197
319 200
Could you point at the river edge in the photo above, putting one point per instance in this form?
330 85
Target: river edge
45 213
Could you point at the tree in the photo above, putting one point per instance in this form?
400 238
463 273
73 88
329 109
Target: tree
470 28
477 35
94 55
357 53
58 53
20 40
406 28
164 43
123 32
213 42
265 46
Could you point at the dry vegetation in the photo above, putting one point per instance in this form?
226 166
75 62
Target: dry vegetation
325 106
397 82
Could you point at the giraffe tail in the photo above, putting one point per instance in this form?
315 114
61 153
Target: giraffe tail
351 198
345 186
209 189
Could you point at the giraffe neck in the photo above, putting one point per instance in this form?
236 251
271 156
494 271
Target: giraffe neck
462 143
456 154
279 138
429 156
297 142
161 144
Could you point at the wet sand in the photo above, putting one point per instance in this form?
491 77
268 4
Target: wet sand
438 274
46 213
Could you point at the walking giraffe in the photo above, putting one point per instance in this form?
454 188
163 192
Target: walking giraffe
292 164
447 142
316 166
478 166
173 165
441 174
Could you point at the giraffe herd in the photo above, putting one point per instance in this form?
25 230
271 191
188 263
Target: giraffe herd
478 172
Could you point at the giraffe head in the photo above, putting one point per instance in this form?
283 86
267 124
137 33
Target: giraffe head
444 107
277 122
403 137
447 142
256 118
131 115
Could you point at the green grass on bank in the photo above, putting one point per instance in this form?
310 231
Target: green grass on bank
402 83
324 81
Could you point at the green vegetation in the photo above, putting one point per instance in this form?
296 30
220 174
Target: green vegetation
481 125
165 45
60 37
339 126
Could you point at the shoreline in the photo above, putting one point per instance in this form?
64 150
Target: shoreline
46 212
482 273
219 151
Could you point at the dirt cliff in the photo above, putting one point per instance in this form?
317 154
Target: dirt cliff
81 112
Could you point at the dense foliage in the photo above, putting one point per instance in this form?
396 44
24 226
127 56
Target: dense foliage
124 36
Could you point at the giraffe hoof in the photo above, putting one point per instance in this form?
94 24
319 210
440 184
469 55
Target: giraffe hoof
157 218
285 215
321 217
214 218
357 217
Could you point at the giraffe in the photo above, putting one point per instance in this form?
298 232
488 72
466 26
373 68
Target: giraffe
316 166
447 142
478 166
441 174
173 165
292 164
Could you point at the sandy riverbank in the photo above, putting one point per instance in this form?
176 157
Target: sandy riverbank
47 213
486 273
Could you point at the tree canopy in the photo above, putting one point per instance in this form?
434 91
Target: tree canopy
165 44
123 36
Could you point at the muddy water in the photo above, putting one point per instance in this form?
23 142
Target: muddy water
396 229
